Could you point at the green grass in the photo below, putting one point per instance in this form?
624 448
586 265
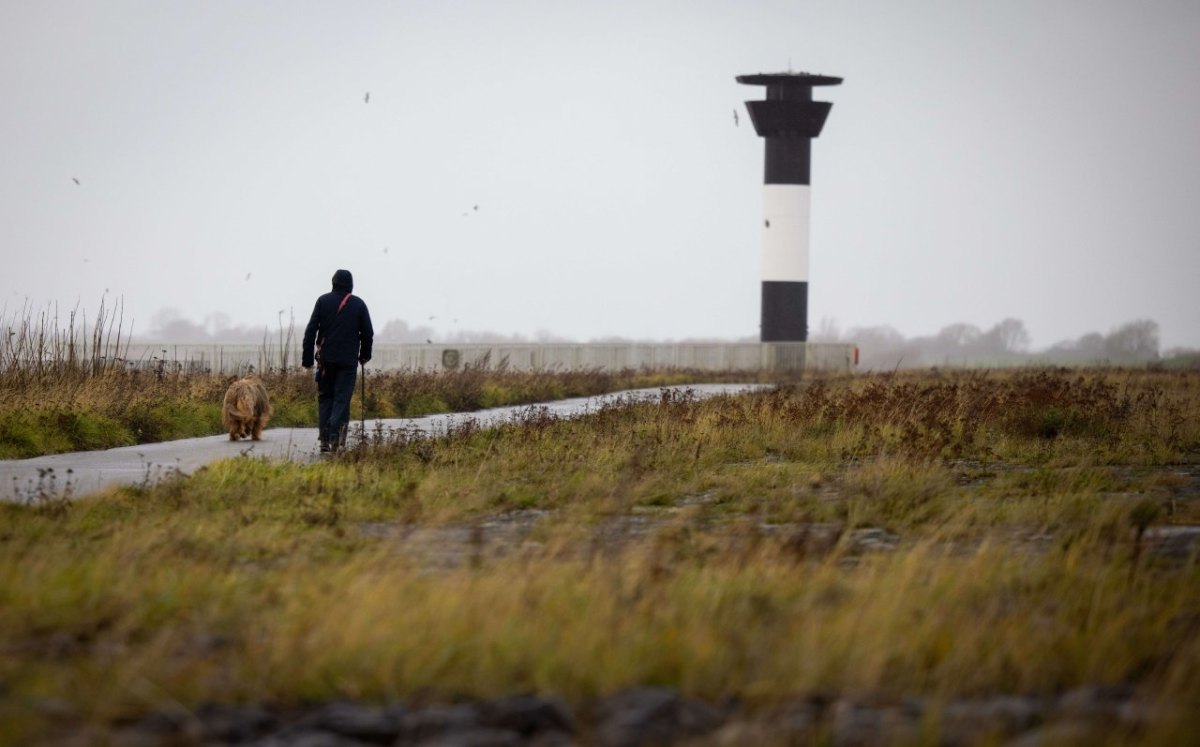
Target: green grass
707 545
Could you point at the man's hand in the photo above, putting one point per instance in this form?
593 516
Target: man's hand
364 361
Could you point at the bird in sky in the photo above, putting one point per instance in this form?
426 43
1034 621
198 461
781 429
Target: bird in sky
385 250
767 223
248 275
432 318
735 118
75 180
475 208
367 98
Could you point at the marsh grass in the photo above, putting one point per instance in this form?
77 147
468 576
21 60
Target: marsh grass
714 546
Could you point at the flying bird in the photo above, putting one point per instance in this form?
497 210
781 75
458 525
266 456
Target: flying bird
75 180
367 98
385 250
735 118
767 223
432 318
476 208
247 276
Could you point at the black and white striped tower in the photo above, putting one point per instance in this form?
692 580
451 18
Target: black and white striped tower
789 119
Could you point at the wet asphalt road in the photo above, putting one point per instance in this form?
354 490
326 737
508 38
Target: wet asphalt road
80 473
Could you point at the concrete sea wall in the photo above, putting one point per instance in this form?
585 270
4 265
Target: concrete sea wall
750 356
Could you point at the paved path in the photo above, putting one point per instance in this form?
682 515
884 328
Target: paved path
82 472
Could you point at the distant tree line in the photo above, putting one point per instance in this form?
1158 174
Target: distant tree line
169 325
1005 344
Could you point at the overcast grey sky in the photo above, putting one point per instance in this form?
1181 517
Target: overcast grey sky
1038 159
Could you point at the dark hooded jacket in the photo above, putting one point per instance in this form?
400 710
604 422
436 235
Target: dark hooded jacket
345 336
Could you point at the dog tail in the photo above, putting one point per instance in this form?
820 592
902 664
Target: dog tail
245 402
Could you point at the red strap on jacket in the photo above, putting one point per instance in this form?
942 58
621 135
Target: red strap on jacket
321 341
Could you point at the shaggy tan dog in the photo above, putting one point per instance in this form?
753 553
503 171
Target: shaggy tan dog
247 408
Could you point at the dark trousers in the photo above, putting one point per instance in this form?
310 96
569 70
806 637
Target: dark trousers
333 401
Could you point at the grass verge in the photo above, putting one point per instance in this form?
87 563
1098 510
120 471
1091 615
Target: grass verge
74 409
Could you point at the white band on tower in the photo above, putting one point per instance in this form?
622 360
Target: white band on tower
786 209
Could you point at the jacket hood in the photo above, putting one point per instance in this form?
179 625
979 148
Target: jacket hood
343 281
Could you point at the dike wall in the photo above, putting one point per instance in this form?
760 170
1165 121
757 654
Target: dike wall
748 356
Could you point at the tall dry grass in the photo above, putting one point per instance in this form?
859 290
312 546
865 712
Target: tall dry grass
38 344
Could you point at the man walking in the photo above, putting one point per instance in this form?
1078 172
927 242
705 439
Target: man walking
338 338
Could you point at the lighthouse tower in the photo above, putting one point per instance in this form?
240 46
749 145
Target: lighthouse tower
788 119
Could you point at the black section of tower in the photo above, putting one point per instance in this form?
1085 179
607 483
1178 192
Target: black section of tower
788 119
784 311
